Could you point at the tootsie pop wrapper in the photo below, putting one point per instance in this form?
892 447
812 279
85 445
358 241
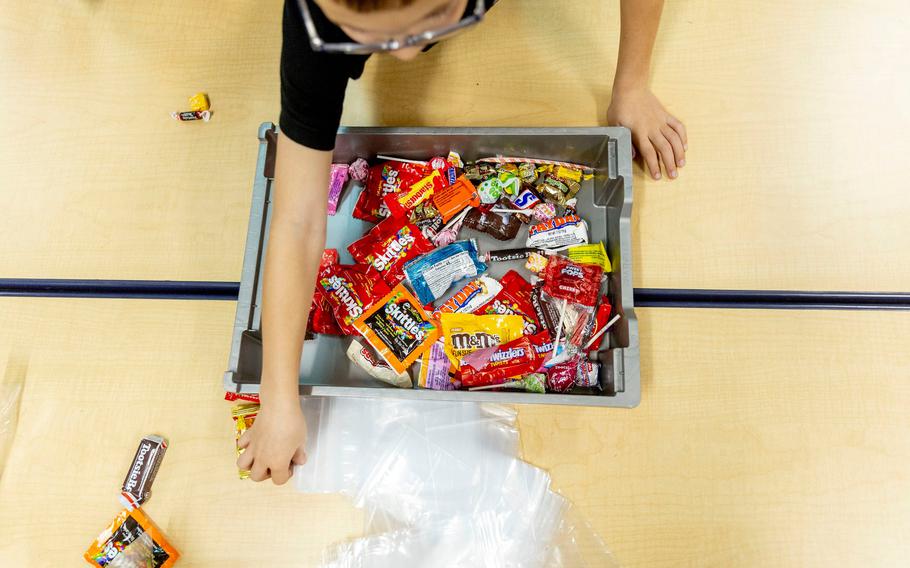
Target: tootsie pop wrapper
137 486
558 233
432 274
588 374
561 377
364 358
471 298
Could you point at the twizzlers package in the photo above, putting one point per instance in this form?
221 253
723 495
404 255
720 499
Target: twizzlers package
386 178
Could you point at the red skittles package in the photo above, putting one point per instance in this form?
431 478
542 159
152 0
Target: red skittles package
388 246
386 178
350 291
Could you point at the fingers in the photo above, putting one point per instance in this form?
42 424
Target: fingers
663 147
244 440
259 472
245 460
299 457
649 156
679 154
680 129
281 476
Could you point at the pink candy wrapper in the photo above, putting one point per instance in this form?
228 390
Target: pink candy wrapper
338 176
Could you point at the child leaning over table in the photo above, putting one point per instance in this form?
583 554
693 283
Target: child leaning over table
326 43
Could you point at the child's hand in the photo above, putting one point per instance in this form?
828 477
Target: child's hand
659 136
274 443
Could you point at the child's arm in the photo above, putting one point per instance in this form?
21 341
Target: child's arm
296 241
659 136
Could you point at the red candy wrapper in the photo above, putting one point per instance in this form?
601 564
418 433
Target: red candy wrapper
321 320
388 246
561 377
350 292
386 178
511 359
248 396
577 283
514 299
401 204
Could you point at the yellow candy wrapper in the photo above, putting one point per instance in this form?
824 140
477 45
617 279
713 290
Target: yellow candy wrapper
199 102
466 333
244 415
593 253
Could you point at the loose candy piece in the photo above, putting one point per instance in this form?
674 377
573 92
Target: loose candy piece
188 116
398 328
199 102
137 486
544 212
363 357
338 176
588 374
558 233
432 274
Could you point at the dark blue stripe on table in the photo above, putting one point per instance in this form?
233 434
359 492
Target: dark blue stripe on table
644 297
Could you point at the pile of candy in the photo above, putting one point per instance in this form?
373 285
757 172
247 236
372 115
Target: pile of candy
534 334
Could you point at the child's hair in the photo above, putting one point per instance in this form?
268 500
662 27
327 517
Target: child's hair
372 5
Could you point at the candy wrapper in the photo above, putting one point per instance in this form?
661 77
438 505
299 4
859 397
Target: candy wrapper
479 172
588 374
561 377
436 369
402 203
244 415
388 246
350 292
544 212
507 255
385 178
321 319
426 218
338 176
245 396
514 299
398 329
200 102
359 170
363 357
466 333
536 262
567 280
190 115
495 188
558 233
533 382
500 227
471 298
593 253
131 540
451 200
432 274
511 359
137 486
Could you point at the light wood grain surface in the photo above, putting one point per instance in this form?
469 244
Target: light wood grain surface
763 438
796 112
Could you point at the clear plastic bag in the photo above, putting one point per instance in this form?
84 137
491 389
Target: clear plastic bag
440 484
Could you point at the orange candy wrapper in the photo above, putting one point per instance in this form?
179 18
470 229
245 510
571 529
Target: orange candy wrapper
449 201
398 328
132 539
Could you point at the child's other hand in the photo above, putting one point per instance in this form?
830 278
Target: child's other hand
659 136
274 443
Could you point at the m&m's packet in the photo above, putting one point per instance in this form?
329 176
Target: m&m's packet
466 333
398 328
132 539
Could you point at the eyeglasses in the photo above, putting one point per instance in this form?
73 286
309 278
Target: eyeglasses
353 48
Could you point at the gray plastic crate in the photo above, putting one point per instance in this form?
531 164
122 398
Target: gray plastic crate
604 201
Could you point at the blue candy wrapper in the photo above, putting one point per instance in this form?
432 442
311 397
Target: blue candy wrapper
432 274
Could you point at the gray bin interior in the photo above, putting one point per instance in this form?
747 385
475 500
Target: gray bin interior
604 201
